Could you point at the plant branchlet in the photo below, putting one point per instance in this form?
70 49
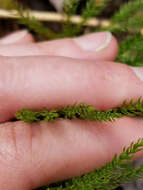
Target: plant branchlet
82 111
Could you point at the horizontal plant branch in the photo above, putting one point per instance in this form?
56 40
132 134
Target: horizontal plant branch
56 17
82 111
53 17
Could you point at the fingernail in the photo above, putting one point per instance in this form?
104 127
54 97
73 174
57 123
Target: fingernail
94 42
139 72
15 37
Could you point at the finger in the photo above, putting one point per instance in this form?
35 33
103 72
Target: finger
29 82
16 38
41 153
97 46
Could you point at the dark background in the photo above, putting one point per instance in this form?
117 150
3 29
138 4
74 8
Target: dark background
44 5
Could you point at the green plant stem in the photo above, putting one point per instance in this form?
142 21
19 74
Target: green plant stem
81 111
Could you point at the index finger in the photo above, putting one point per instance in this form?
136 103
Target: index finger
31 82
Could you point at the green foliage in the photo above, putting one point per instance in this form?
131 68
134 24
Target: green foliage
36 26
81 111
70 7
131 50
130 16
92 8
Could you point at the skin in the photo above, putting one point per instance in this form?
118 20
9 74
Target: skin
36 75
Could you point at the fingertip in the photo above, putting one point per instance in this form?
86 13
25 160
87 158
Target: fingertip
22 36
98 46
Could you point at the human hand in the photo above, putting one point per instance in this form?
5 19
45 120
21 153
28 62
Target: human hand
58 73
